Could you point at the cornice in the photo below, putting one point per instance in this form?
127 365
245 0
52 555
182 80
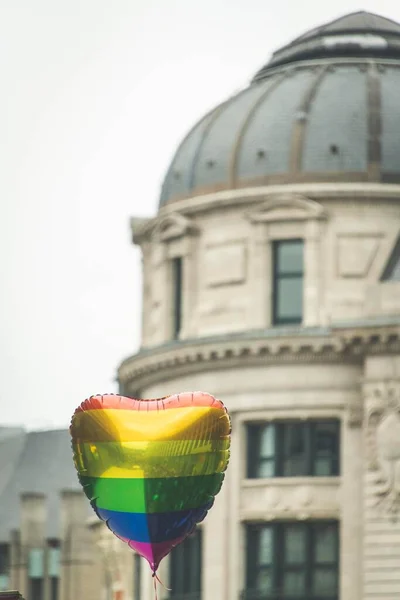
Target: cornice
312 190
162 363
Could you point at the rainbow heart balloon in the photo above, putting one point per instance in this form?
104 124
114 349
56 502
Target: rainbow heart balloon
151 468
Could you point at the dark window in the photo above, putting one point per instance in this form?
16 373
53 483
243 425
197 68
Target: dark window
185 569
293 449
54 588
137 578
36 589
53 567
177 276
4 559
4 566
288 274
292 561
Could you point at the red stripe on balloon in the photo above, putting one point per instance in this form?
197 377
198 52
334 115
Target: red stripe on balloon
186 399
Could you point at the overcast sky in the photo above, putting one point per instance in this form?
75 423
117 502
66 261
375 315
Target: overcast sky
95 96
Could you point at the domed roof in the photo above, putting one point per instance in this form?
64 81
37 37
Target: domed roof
325 108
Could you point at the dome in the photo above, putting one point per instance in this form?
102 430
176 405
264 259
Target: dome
325 108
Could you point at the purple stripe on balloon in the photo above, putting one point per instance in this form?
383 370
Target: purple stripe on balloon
153 553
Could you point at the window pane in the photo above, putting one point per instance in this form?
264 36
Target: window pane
36 589
54 588
264 580
54 562
325 449
294 584
325 545
267 441
35 569
4 558
294 545
266 468
4 583
325 582
265 548
294 450
289 257
289 300
322 467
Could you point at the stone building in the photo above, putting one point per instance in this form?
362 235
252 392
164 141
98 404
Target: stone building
271 279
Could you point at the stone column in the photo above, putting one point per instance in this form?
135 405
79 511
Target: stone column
117 565
33 533
16 571
351 498
236 555
216 547
77 549
260 278
158 317
314 267
382 478
146 291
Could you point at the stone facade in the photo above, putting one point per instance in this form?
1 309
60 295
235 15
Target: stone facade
343 362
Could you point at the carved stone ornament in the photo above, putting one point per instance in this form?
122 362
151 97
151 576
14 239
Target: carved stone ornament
161 229
172 226
383 445
355 413
287 207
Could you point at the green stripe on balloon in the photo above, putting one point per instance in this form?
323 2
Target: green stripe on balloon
152 495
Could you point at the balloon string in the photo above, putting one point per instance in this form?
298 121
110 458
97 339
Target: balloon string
155 587
155 579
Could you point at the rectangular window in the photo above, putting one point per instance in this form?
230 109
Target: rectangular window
53 567
288 273
293 449
292 561
36 573
177 296
4 566
185 569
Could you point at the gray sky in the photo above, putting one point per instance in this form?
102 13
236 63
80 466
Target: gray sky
96 95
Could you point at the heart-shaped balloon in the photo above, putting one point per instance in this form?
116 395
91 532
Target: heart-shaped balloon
151 468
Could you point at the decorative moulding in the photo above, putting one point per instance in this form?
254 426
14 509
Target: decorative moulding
287 207
172 226
356 253
161 229
298 501
166 362
140 229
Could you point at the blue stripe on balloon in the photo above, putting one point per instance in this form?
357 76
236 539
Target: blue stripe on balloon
153 527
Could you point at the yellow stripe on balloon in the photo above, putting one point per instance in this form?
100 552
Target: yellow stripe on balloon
122 462
192 422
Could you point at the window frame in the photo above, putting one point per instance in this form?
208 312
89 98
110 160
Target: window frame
279 566
281 426
279 276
